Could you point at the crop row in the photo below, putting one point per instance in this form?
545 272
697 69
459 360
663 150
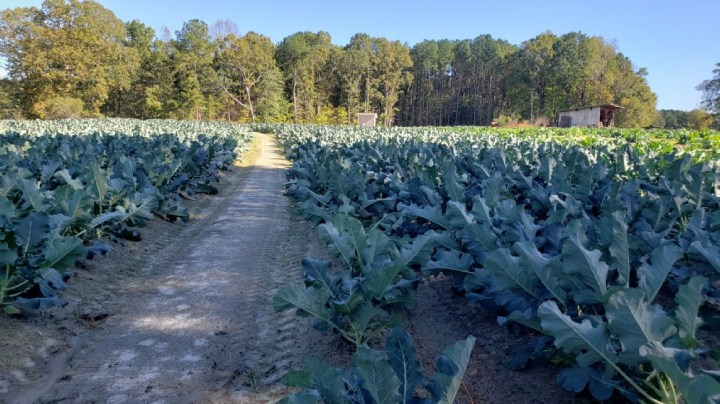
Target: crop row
608 251
66 186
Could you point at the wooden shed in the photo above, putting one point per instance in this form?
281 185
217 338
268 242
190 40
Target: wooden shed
367 118
592 116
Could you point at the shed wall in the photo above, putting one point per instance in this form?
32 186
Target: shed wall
583 117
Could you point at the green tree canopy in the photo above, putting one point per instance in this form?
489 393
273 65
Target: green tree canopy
66 49
711 92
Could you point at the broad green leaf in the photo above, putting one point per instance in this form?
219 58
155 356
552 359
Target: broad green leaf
520 318
634 322
451 365
98 183
578 260
378 378
106 217
481 211
700 389
363 316
327 381
619 249
338 243
689 299
298 378
455 190
76 184
375 245
7 208
583 339
379 280
32 196
507 272
651 276
31 231
63 252
401 356
318 272
429 213
449 261
307 301
710 251
301 397
7 255
416 252
545 270
354 231
456 216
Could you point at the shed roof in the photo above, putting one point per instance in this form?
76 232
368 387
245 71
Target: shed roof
607 106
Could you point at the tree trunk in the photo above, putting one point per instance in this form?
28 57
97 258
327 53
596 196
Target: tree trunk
294 98
250 104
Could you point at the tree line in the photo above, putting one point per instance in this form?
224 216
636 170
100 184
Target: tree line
76 58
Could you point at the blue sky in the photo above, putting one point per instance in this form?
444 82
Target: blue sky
677 41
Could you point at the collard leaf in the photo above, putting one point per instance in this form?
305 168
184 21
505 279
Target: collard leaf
454 189
583 339
634 322
378 280
652 275
75 183
7 255
710 251
527 318
107 217
298 378
317 273
63 252
378 377
694 390
98 186
578 260
32 196
402 359
619 248
449 261
451 365
416 252
327 381
307 301
338 243
430 213
547 271
302 397
689 299
32 230
456 216
481 211
574 379
508 274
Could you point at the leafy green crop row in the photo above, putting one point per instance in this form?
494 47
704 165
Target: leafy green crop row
609 249
66 184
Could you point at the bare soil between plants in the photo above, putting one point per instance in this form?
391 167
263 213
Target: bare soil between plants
185 315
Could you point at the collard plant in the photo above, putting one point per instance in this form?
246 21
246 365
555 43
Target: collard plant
67 186
584 238
391 376
361 297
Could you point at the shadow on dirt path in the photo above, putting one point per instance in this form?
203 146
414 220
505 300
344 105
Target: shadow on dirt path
195 323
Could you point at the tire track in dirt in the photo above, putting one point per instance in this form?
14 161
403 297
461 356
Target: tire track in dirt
197 323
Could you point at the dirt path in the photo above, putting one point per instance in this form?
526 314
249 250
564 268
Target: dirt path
196 324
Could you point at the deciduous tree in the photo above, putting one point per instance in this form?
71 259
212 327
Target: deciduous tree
66 49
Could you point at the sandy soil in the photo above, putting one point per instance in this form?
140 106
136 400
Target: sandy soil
186 314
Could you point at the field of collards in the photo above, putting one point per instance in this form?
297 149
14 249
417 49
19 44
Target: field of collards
68 186
604 245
